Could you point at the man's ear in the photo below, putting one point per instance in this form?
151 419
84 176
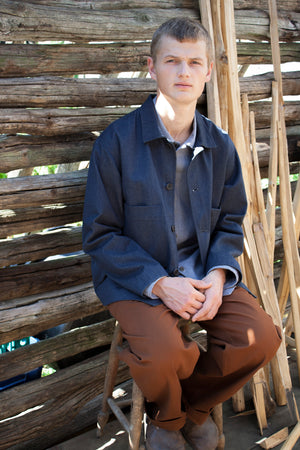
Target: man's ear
208 75
151 68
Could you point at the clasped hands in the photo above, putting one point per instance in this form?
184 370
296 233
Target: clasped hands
193 299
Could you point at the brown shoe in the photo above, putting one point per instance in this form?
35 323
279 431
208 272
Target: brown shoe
160 439
204 437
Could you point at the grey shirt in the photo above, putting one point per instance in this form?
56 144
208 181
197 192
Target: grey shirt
187 245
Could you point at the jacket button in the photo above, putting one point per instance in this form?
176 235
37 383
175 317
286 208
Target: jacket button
169 186
176 272
173 228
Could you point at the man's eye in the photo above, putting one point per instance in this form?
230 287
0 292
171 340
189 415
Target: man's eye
196 63
170 60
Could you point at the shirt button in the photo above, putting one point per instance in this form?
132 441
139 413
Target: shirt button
169 186
173 228
176 272
181 268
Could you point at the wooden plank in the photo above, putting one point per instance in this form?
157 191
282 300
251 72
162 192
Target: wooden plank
34 60
40 245
285 5
24 195
108 5
19 220
259 52
44 311
292 439
288 228
275 439
257 388
50 122
38 277
61 395
43 189
57 91
23 21
281 375
17 152
213 103
53 349
263 109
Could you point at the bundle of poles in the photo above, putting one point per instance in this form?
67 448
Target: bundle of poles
259 225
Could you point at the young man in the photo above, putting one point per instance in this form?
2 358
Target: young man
162 222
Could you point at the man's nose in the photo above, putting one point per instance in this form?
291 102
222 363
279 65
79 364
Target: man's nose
184 70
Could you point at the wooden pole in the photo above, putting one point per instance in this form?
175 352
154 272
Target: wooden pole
287 217
213 103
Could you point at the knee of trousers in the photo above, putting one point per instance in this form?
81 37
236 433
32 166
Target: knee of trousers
173 356
264 342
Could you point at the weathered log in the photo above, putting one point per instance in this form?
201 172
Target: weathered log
17 152
24 220
40 245
255 25
262 112
25 192
260 86
41 312
57 91
85 419
25 21
286 5
260 52
61 395
67 344
38 277
33 60
51 122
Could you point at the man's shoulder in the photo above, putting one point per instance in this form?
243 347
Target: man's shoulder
209 135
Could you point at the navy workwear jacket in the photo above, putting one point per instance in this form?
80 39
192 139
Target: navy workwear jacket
128 221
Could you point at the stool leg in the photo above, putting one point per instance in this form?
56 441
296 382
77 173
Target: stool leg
110 377
217 415
136 417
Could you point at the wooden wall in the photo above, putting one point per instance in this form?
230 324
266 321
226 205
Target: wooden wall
50 115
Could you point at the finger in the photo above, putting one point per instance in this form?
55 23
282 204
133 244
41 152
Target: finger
201 284
185 315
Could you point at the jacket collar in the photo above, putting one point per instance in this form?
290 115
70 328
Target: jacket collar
151 130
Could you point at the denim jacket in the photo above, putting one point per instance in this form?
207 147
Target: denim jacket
128 220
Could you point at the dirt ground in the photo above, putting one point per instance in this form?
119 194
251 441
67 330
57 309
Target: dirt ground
241 430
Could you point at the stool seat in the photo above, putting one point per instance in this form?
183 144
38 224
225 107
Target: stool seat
133 427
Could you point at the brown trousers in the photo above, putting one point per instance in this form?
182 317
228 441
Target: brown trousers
177 379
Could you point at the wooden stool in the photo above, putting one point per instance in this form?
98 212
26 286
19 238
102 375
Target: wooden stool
134 426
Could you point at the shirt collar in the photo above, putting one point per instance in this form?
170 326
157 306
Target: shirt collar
189 142
151 129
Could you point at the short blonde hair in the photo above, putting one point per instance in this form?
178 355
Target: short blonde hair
181 29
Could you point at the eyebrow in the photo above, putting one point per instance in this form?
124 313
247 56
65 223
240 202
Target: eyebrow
174 56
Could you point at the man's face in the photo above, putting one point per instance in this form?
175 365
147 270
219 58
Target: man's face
181 70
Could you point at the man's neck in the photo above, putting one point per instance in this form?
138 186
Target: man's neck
177 119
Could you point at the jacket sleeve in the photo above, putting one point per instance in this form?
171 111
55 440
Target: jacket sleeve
113 254
227 238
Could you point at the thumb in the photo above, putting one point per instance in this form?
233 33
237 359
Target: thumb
201 284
